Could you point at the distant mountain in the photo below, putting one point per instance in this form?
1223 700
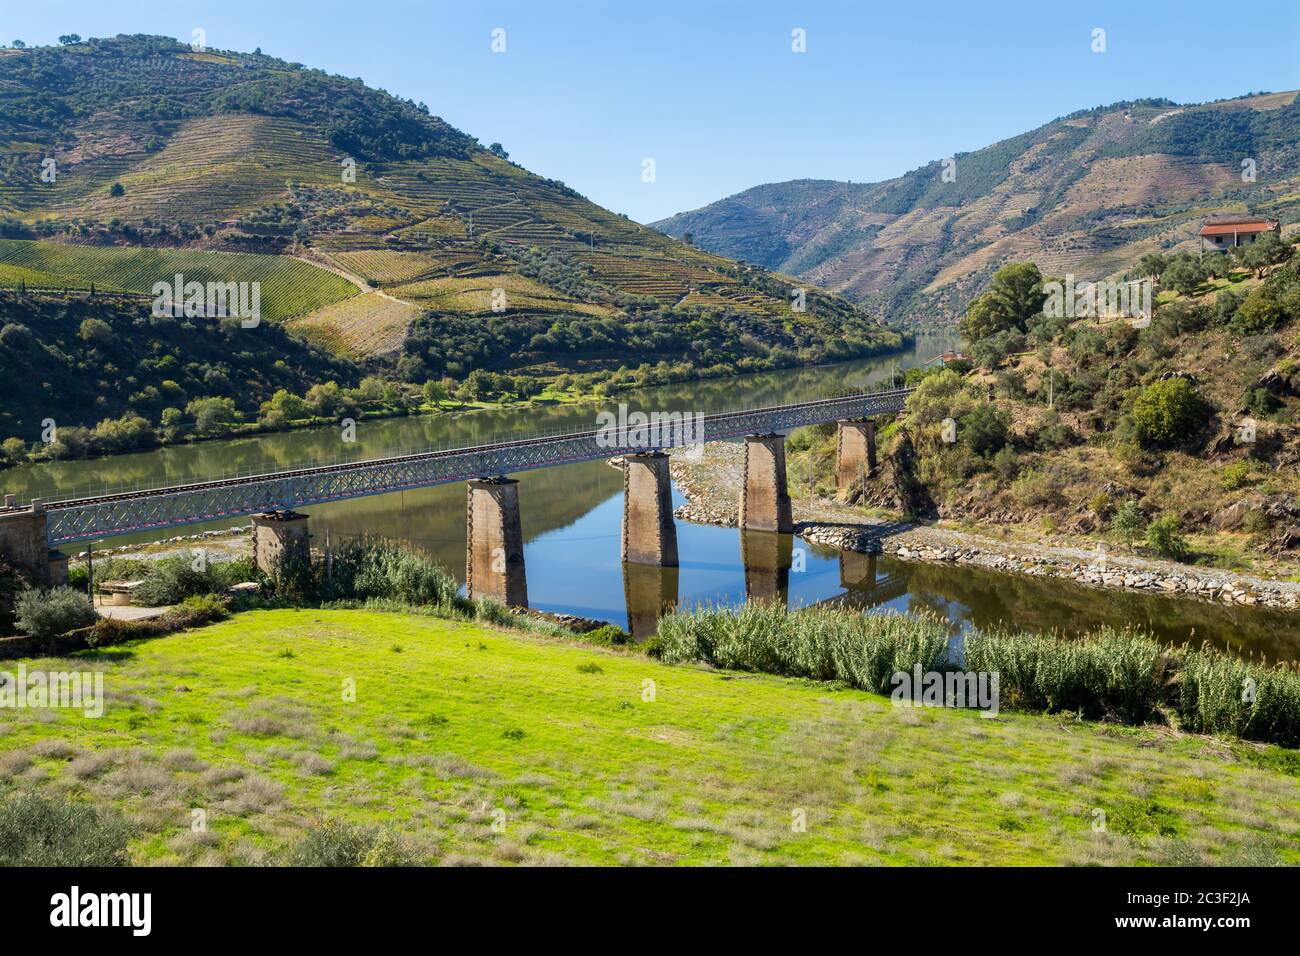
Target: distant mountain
433 255
1085 194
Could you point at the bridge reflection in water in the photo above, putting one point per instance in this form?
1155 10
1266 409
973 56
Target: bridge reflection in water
768 559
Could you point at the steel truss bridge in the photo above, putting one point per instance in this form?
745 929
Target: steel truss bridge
132 512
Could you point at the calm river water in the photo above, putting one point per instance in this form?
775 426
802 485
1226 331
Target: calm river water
571 516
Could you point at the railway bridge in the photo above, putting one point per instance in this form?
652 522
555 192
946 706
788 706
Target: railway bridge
31 531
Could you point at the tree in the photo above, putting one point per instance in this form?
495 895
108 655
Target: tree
1014 296
1169 412
434 392
69 38
1129 522
19 45
1265 251
1216 265
13 450
95 331
496 149
283 408
213 416
1152 265
117 190
1183 274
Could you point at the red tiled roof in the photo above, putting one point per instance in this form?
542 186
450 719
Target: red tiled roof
1238 228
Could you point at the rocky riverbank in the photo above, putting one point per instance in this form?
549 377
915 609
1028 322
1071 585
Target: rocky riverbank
711 486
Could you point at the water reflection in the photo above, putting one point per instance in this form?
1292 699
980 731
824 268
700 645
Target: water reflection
767 558
649 592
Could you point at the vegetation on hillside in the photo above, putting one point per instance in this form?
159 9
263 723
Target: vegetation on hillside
1181 433
475 264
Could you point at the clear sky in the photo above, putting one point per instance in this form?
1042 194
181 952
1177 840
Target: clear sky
712 91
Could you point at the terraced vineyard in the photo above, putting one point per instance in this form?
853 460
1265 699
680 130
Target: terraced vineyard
157 146
289 286
364 326
479 294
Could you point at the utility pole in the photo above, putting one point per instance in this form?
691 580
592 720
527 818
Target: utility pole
1051 387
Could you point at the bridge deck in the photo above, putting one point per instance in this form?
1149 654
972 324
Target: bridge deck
130 512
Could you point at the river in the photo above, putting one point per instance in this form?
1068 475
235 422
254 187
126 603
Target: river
571 516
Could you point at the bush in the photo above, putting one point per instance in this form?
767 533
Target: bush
40 831
335 843
51 613
172 580
1164 537
1109 674
984 428
862 651
1169 412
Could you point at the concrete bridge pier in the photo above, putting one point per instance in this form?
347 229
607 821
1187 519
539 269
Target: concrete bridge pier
494 542
23 543
855 453
649 535
650 592
279 535
764 497
767 558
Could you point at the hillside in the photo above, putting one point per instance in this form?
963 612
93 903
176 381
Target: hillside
1178 437
1084 194
150 144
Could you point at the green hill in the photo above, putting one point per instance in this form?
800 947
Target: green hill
1085 194
155 145
288 286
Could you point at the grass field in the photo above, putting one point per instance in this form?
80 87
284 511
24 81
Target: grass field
289 286
453 722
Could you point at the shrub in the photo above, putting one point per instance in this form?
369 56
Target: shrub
1169 412
1238 474
172 580
50 613
984 428
1108 674
335 843
39 831
1164 537
862 651
1129 522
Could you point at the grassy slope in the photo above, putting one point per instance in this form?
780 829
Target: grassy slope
289 286
709 772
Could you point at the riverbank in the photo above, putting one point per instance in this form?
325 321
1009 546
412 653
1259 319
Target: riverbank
468 744
711 486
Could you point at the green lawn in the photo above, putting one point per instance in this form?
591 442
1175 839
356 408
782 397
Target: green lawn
247 720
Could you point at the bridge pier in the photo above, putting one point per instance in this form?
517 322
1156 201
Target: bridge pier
494 542
23 542
767 557
855 453
649 535
764 497
277 536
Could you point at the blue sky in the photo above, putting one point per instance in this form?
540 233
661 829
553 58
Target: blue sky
711 90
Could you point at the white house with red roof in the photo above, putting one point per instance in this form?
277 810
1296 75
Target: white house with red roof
1226 232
